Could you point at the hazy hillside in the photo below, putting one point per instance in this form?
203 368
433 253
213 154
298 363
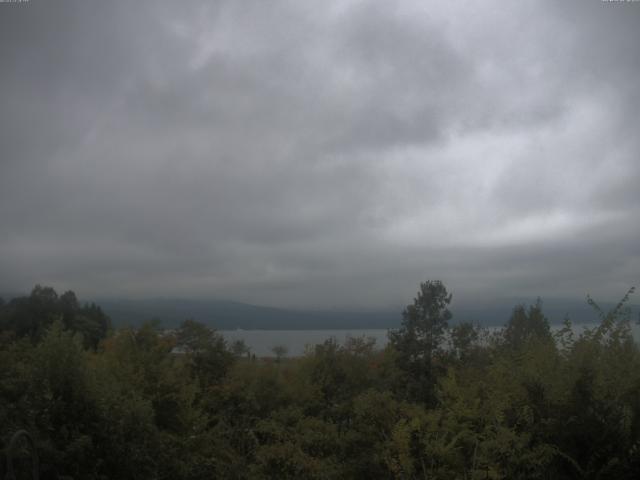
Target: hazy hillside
225 315
231 315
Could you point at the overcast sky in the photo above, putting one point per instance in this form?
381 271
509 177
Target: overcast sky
320 154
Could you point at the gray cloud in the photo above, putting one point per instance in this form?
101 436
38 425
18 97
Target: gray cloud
298 155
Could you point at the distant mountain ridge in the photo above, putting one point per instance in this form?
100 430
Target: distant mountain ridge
228 315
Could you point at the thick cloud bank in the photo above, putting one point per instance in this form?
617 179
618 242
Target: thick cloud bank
328 154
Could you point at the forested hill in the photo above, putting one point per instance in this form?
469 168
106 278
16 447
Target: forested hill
225 315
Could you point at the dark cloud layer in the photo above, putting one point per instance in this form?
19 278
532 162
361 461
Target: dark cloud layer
297 154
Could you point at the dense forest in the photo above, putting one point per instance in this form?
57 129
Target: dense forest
443 400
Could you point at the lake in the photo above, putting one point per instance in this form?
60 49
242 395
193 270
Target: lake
261 342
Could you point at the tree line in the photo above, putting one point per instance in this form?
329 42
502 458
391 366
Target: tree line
440 401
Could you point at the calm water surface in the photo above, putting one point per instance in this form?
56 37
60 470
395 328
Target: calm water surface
261 342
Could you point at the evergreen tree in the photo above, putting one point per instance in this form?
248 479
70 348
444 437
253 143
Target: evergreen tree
526 326
419 340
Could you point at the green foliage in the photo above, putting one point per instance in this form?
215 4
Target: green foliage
150 404
280 351
30 317
464 340
419 340
526 326
240 348
205 352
